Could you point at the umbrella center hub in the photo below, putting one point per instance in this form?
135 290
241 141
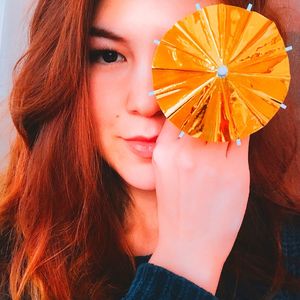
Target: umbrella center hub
222 71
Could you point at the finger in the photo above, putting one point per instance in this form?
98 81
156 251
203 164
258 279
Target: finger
235 151
169 133
193 142
217 147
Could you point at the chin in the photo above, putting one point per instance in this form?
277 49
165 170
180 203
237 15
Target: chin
143 185
139 177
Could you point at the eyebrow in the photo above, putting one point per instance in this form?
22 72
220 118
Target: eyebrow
104 33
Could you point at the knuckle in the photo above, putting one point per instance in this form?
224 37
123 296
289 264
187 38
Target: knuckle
211 172
185 161
160 155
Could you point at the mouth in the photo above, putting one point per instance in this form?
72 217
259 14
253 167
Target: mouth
142 139
142 146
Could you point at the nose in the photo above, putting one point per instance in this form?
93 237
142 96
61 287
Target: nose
139 101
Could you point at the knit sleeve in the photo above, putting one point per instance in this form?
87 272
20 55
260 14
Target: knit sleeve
153 282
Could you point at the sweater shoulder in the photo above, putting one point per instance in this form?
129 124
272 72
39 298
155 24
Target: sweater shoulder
153 282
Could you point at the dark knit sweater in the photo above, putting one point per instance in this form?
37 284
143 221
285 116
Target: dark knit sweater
157 283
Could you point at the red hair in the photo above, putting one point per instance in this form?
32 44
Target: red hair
58 211
62 207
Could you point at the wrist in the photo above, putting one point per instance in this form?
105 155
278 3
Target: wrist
203 271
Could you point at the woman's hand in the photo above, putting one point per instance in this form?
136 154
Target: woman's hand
202 192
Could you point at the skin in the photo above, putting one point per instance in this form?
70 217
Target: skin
178 215
122 106
119 92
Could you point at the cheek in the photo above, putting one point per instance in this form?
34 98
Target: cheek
107 98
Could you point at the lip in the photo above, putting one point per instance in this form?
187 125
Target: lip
142 146
142 139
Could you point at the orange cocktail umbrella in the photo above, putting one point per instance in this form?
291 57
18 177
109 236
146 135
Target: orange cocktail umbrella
221 73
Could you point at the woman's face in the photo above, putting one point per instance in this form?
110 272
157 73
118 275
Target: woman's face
128 119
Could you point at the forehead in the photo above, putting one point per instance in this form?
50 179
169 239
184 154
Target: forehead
136 19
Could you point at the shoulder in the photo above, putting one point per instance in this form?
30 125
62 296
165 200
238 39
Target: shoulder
291 235
291 244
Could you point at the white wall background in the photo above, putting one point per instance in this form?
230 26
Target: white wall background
14 16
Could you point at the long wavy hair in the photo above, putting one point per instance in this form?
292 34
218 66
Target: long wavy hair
62 207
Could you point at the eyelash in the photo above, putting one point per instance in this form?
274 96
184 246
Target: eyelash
96 55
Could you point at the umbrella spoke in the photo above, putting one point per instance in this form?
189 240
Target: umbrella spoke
206 65
193 121
170 79
228 115
280 77
208 26
255 112
256 38
193 41
268 98
269 87
186 98
183 70
267 63
236 36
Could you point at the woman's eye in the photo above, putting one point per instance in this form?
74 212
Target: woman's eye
106 56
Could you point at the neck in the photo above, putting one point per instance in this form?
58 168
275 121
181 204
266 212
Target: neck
141 225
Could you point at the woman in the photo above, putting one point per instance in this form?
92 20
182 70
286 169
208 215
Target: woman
83 202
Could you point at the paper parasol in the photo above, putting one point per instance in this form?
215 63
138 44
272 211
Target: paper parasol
221 73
